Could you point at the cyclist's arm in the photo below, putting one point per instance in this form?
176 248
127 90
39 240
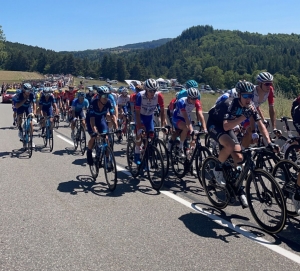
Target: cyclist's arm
264 131
272 116
230 124
201 118
19 104
34 108
93 125
162 109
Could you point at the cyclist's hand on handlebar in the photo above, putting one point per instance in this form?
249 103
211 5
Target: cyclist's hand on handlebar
74 119
248 112
274 147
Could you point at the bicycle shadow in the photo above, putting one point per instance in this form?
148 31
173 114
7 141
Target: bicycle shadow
8 128
20 153
5 154
66 151
203 226
80 162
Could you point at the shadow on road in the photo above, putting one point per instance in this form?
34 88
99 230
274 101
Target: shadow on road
68 151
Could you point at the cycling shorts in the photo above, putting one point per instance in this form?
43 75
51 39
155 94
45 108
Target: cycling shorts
100 123
48 111
21 110
176 121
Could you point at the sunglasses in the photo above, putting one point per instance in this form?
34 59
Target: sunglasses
194 99
247 96
151 90
268 84
104 96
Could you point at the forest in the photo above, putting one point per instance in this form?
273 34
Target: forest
210 56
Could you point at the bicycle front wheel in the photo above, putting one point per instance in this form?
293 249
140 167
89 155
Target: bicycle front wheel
266 201
293 153
285 174
82 141
45 139
132 166
203 153
29 144
159 144
155 167
219 196
51 143
178 163
94 168
110 169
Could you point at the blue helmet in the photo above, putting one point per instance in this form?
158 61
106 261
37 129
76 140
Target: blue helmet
191 84
27 86
80 94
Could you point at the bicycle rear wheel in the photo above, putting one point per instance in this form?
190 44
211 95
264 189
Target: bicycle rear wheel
203 153
82 141
266 201
219 196
77 131
132 166
285 173
110 169
155 167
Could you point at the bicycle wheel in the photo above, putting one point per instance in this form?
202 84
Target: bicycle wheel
178 163
45 138
203 153
132 167
293 153
159 144
77 135
56 123
266 201
285 173
155 167
212 145
110 169
82 141
29 144
218 195
51 141
94 168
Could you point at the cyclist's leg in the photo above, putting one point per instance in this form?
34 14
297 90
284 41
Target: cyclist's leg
83 117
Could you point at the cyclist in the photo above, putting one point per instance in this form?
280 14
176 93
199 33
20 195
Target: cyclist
223 117
122 102
78 105
189 84
146 102
231 94
137 89
14 99
23 104
182 116
47 105
171 107
98 109
90 94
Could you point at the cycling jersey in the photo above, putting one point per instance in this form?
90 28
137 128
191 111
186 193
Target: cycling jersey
26 107
268 96
78 107
99 115
222 98
116 96
123 100
182 94
147 106
183 105
46 105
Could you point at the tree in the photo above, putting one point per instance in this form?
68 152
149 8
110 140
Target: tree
122 72
3 54
214 77
230 79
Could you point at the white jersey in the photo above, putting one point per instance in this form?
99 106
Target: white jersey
146 105
123 100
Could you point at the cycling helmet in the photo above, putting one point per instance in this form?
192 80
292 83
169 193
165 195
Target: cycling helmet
232 93
264 77
121 89
103 90
27 86
90 89
80 94
191 84
18 91
151 84
244 86
124 90
46 90
193 93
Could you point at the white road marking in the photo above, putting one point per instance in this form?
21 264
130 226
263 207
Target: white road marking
219 220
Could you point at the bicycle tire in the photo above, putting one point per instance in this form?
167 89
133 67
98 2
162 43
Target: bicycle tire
153 161
82 141
51 140
132 167
218 196
111 181
267 161
202 154
94 169
77 131
29 148
160 145
264 196
285 173
45 137
293 153
178 164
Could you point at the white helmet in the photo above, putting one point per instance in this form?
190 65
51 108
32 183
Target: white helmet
193 93
232 93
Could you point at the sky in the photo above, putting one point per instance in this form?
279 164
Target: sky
76 25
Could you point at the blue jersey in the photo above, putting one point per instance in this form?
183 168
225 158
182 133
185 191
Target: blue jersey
112 100
222 98
20 97
95 110
46 104
78 107
182 94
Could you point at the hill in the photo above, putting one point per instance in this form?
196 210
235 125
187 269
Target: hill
17 76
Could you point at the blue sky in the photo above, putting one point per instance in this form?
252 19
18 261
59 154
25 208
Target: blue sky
65 25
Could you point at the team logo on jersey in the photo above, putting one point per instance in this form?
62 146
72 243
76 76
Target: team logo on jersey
216 112
239 111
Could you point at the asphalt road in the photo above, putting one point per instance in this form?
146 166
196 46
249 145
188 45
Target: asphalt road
53 217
